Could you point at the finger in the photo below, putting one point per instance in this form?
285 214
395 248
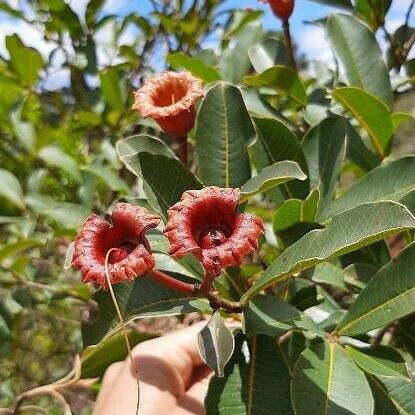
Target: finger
179 351
192 402
108 381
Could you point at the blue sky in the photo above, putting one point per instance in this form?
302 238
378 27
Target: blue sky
310 39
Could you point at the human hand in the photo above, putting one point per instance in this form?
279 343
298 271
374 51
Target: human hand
173 378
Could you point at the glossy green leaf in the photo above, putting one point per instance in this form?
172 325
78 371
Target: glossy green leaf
267 54
235 63
270 316
327 382
346 232
96 359
379 361
281 78
272 176
383 403
381 302
25 61
138 299
166 188
246 388
288 214
357 151
324 148
55 157
360 56
10 188
390 181
280 143
223 133
196 66
129 148
401 393
372 114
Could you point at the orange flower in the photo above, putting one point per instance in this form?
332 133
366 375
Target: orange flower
131 256
206 224
170 100
281 8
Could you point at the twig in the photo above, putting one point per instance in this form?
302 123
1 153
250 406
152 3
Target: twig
289 44
217 301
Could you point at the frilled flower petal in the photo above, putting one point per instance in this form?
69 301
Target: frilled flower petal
131 256
169 99
205 223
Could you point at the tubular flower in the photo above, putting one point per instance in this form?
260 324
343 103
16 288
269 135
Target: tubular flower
131 256
170 100
281 8
205 223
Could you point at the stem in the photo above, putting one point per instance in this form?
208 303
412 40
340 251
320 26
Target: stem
123 325
207 283
217 301
289 44
171 282
183 150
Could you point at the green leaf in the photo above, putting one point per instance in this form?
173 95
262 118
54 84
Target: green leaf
373 11
379 361
129 148
54 156
223 133
270 316
267 54
327 382
381 302
166 188
372 114
96 359
383 403
344 4
324 148
14 248
280 143
357 151
10 188
108 176
360 55
138 299
113 88
216 344
272 176
400 392
346 232
246 389
390 181
287 215
235 62
196 66
25 61
399 118
281 78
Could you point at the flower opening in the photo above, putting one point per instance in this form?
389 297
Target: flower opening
131 256
281 8
206 224
170 100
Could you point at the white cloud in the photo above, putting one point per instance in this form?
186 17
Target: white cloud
313 42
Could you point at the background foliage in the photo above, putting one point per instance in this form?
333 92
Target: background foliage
341 129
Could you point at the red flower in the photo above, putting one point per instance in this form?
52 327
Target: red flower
206 224
132 255
281 8
170 99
